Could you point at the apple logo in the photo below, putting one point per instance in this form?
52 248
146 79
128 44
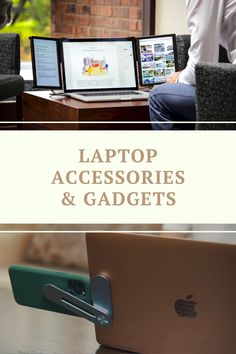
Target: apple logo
186 307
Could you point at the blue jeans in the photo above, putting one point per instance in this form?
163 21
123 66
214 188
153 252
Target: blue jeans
169 103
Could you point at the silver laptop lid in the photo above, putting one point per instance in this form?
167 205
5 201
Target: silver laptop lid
169 295
99 64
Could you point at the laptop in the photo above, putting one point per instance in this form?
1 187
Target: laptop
172 296
157 58
100 69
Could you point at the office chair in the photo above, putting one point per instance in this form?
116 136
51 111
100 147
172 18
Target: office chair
11 83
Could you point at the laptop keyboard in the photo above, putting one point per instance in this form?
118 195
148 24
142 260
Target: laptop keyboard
108 93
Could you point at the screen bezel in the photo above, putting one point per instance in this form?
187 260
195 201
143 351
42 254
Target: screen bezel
138 40
35 85
131 39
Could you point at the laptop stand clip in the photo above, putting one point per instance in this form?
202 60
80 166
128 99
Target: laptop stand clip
100 313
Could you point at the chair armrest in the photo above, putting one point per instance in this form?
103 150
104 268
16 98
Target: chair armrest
10 86
216 95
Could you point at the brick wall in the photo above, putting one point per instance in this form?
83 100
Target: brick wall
96 18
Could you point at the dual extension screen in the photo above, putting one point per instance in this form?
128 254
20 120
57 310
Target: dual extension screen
88 64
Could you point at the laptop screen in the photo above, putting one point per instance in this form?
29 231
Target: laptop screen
45 62
157 58
99 64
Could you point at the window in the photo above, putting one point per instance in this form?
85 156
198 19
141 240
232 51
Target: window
33 18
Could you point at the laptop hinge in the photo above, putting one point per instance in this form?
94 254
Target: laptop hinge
100 313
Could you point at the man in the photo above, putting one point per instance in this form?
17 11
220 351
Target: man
210 22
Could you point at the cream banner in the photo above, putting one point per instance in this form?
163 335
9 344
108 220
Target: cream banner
107 177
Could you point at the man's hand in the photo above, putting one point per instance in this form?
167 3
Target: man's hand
173 78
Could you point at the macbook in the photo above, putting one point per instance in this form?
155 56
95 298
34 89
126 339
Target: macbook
169 296
100 69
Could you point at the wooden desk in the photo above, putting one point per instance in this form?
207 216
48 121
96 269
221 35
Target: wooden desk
38 106
31 331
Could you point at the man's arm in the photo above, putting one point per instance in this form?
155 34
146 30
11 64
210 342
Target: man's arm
204 22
